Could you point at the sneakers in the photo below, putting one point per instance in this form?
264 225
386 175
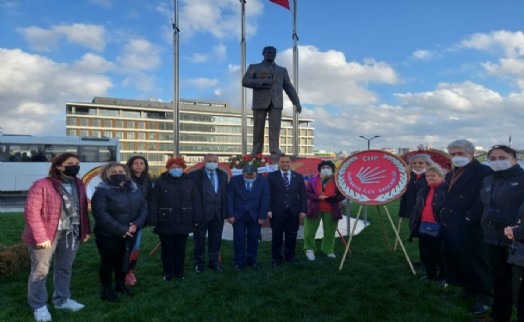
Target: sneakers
310 255
42 314
332 255
70 305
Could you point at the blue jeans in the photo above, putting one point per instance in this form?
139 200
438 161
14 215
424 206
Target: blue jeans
62 269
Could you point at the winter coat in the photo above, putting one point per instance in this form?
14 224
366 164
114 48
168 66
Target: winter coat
174 205
145 184
439 198
409 198
115 208
465 255
503 197
43 208
314 202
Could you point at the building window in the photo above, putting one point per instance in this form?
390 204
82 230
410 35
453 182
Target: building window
71 121
141 125
108 123
130 124
119 123
131 114
130 135
108 134
130 146
71 132
120 134
95 133
84 122
96 122
107 112
141 135
152 136
84 133
141 146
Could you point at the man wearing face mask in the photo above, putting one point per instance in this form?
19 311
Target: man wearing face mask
174 210
247 206
465 258
324 204
211 183
503 197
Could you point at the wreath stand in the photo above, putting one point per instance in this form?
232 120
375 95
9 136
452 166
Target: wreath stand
385 236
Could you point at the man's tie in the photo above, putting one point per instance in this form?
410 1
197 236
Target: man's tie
286 180
248 187
212 179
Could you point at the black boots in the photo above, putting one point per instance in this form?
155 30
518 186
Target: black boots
120 287
108 294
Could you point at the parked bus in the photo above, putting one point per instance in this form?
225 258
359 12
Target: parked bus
26 158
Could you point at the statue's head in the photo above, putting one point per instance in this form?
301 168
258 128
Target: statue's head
269 53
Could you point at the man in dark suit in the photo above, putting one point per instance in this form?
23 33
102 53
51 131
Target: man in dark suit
288 204
211 183
247 206
465 258
267 80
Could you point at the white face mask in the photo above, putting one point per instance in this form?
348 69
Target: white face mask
211 166
419 171
500 165
326 172
460 161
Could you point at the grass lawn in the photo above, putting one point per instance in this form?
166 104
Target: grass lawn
375 284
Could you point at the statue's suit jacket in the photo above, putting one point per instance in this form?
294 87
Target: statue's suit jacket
262 97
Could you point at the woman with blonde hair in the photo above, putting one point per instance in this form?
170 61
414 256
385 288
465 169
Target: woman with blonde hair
120 210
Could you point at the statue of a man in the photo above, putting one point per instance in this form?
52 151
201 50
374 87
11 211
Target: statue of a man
267 80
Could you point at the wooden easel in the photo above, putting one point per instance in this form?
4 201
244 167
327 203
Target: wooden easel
385 236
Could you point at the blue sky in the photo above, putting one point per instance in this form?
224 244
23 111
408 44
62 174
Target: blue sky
413 72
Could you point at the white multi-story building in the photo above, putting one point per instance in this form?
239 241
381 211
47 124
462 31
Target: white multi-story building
146 128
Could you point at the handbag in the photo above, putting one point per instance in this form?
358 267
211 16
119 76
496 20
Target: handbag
516 253
431 229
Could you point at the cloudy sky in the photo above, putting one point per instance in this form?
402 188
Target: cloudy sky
414 72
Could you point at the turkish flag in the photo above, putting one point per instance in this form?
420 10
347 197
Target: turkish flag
283 3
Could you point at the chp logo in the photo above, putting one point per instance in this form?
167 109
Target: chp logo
372 177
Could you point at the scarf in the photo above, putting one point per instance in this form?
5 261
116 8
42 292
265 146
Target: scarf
69 215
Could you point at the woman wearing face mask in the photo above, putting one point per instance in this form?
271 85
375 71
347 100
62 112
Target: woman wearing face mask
56 220
417 180
324 204
426 212
502 194
175 210
140 175
120 210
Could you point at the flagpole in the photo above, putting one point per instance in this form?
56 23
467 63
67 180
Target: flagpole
176 95
242 73
295 78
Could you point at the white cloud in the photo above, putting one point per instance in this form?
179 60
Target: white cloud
220 51
421 54
34 89
198 58
139 54
219 18
328 78
512 43
85 35
202 82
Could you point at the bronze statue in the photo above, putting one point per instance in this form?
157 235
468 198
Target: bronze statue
267 80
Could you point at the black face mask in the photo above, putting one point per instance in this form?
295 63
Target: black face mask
117 179
71 170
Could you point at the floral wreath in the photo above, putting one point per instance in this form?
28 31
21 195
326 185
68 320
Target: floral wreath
439 157
239 161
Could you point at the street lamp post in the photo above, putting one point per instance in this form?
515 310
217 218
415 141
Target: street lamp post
369 140
369 145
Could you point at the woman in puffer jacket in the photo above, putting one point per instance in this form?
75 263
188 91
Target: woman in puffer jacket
120 210
175 209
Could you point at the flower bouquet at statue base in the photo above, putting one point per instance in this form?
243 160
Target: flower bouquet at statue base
263 163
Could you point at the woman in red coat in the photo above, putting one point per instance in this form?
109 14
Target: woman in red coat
56 220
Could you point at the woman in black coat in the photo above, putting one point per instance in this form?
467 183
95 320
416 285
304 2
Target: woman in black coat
175 210
502 195
119 209
430 200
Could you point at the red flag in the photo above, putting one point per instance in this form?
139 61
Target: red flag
283 3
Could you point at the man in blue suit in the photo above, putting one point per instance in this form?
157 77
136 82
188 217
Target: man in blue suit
288 204
247 204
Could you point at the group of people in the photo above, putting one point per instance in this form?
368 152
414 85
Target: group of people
465 221
177 204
